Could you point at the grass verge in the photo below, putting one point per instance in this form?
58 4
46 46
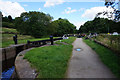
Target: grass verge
68 41
9 30
7 39
51 61
106 56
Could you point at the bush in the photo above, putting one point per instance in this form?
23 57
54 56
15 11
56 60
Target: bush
8 25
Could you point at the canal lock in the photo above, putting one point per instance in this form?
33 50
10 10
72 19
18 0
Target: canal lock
8 67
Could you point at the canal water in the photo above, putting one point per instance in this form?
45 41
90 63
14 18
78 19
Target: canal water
6 75
7 69
8 65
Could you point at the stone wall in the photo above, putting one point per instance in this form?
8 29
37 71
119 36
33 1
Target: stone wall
25 71
9 54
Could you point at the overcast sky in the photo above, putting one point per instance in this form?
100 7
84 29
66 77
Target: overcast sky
76 11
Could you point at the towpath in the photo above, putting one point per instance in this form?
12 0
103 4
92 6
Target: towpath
86 63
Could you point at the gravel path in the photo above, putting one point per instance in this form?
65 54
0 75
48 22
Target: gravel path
86 63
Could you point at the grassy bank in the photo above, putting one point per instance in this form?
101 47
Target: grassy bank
68 41
112 41
7 39
106 56
51 61
21 39
9 30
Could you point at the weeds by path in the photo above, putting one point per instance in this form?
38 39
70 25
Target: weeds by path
107 57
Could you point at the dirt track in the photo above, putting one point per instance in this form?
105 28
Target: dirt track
86 63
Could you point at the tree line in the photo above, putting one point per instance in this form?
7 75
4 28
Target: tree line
39 24
7 21
100 25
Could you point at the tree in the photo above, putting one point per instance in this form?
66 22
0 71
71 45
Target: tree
33 23
5 19
100 25
64 27
52 28
1 16
10 18
110 14
0 19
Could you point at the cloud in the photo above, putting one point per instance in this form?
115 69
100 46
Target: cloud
91 13
49 3
69 10
11 8
39 9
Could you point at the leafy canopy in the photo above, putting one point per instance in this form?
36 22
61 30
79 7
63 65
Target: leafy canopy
33 23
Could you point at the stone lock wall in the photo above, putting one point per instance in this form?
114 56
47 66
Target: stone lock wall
9 54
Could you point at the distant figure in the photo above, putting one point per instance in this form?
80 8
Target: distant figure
15 39
51 39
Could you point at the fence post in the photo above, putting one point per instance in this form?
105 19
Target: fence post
51 39
15 39
28 43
